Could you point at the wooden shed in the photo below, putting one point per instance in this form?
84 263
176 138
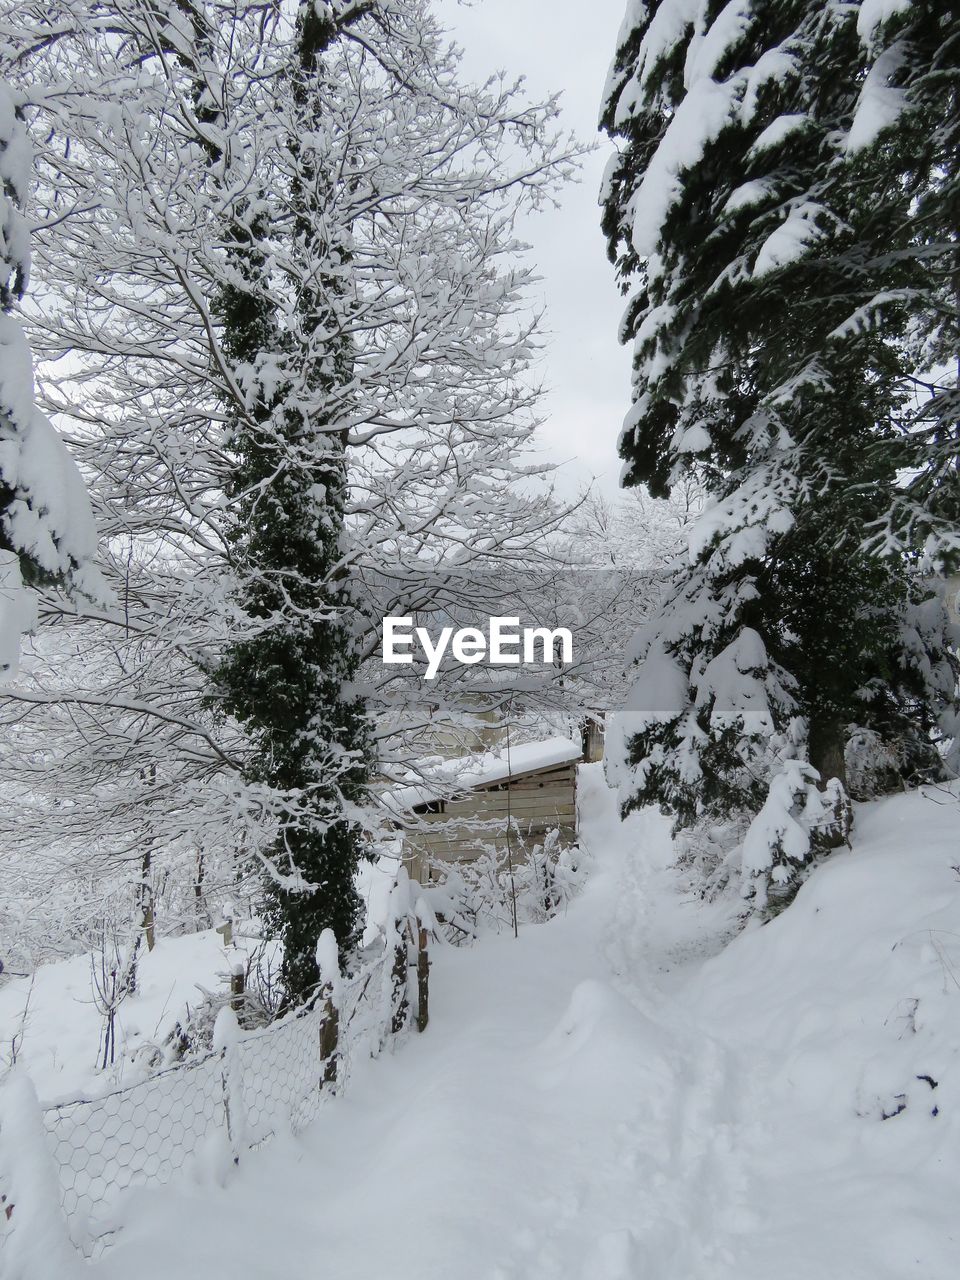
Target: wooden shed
465 815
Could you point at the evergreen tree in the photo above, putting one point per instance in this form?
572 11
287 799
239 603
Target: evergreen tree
729 216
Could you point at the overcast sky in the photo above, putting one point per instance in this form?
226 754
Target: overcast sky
565 46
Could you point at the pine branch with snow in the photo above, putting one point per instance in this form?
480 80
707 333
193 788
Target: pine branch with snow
47 532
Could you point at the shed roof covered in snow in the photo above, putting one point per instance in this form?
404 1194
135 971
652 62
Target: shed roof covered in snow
475 772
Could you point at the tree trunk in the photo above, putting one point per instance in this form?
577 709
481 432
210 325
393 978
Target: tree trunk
147 909
203 915
827 741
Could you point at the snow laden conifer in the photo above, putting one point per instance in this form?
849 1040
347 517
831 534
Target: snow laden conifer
730 226
47 532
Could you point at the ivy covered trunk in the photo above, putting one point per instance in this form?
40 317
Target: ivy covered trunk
289 681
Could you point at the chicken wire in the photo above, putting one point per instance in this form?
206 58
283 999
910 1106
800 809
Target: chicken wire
147 1132
143 1133
281 1073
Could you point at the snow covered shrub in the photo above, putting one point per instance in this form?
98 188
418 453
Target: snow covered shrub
877 765
494 890
259 1005
262 991
874 767
798 821
708 854
192 1035
112 979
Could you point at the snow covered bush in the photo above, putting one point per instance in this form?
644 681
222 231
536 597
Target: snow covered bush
874 767
798 820
708 854
499 891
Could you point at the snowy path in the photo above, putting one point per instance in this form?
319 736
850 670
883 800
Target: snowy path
583 1107
532 1133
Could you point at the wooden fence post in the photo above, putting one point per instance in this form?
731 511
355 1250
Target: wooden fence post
423 980
226 1042
329 1038
238 980
401 1002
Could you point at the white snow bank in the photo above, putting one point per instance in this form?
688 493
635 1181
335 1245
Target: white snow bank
845 1015
34 1238
603 1039
58 1027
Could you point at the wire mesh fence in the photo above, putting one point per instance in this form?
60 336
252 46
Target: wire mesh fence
281 1076
144 1133
249 1088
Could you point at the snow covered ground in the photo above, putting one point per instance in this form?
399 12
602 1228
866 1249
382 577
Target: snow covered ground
617 1094
58 1027
52 1017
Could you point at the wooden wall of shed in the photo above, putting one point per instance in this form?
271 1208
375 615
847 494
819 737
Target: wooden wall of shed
539 802
591 736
